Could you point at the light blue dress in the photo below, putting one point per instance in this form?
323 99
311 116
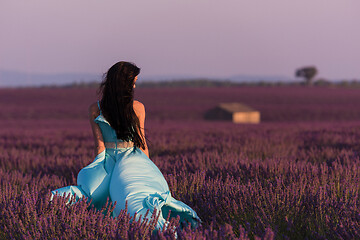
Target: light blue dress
127 174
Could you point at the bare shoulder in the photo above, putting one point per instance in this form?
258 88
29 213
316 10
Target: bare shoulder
94 110
139 108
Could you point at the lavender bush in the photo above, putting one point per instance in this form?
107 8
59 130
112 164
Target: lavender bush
294 176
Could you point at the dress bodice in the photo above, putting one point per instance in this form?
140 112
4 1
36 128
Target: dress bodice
108 133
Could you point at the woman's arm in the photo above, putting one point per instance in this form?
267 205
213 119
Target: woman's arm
98 138
140 113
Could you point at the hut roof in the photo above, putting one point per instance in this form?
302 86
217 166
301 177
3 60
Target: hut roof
236 107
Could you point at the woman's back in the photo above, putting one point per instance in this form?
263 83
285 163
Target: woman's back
107 132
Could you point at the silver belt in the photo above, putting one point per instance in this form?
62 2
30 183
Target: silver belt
119 144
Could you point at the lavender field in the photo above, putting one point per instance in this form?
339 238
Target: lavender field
294 176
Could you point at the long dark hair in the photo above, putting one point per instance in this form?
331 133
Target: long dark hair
117 89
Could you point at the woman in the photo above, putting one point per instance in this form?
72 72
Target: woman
122 169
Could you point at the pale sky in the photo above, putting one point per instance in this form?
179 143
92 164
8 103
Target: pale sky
182 37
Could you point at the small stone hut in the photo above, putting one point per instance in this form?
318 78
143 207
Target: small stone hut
235 112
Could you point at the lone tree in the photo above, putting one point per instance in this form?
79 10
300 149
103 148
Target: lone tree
308 73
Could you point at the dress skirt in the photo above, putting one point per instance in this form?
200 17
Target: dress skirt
127 175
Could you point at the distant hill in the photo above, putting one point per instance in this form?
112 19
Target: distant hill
21 79
187 83
86 80
260 78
